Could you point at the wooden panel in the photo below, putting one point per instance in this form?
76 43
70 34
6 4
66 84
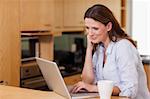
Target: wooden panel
46 47
113 5
147 70
29 14
36 14
73 13
9 42
123 13
47 14
58 17
70 80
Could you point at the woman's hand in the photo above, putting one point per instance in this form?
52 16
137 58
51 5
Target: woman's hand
89 43
80 86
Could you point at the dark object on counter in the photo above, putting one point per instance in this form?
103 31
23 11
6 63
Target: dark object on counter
145 59
64 58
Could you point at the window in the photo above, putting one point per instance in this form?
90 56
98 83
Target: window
141 25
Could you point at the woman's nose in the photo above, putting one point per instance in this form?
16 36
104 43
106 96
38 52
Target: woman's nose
90 32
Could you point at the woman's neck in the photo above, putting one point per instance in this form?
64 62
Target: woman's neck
106 43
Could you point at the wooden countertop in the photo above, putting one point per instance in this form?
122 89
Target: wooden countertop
9 92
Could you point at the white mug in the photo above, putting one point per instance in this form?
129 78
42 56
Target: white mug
105 88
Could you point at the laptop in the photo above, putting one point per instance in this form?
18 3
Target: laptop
55 81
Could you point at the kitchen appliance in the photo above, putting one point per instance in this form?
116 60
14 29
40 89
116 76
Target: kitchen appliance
29 48
31 77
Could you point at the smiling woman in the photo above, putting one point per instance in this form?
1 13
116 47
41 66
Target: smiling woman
111 55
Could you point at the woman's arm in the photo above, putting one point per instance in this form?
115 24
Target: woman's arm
127 62
87 73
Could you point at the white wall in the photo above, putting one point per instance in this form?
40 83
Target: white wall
141 25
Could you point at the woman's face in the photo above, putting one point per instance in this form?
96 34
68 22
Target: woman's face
96 31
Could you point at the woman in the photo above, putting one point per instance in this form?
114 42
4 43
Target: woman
111 55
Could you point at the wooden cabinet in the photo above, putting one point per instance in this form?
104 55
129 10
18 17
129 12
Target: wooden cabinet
9 42
74 12
45 40
147 70
70 80
46 47
113 5
58 17
73 15
36 15
37 19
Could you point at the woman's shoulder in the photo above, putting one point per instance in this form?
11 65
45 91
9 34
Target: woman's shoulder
124 45
124 42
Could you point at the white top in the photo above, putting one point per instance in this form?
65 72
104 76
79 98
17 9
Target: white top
123 66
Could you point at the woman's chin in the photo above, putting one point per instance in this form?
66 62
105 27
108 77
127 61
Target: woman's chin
94 42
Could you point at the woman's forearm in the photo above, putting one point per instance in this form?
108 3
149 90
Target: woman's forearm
87 73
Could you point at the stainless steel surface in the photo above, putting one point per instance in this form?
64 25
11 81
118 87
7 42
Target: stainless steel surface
35 83
145 59
31 77
30 71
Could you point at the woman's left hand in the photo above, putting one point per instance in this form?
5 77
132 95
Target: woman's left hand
83 86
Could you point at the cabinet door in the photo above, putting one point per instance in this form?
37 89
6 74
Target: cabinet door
46 47
73 13
36 14
46 14
113 5
58 17
9 42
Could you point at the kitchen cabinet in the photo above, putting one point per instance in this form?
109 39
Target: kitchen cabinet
58 17
113 5
45 41
36 15
147 70
46 47
70 80
31 76
74 12
73 15
9 43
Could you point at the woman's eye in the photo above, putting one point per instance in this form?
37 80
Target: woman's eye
95 28
86 27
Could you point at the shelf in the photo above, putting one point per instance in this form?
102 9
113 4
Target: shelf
36 34
29 63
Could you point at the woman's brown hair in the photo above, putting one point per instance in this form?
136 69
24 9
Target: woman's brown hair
104 15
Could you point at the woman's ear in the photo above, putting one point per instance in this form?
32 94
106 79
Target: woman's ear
109 26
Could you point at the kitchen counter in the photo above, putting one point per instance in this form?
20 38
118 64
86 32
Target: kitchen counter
9 92
66 74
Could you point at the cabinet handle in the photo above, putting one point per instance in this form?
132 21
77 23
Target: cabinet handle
3 82
47 24
58 27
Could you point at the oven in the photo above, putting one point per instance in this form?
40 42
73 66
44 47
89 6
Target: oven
31 77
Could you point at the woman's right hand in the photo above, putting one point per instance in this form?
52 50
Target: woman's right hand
89 43
83 87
